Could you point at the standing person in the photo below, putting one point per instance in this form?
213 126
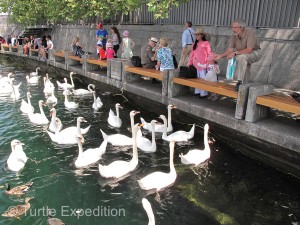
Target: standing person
13 40
49 43
8 40
115 39
148 53
164 56
110 53
101 35
199 58
188 38
244 45
127 46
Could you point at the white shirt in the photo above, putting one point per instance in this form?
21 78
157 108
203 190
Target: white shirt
50 43
188 37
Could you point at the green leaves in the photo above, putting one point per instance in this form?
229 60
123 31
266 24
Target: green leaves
57 11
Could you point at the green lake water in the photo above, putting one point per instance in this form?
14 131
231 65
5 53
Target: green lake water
230 189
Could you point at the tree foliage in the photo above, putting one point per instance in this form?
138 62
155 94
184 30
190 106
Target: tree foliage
54 11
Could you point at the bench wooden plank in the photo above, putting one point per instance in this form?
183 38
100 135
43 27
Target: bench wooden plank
59 54
97 62
145 72
77 58
215 87
283 103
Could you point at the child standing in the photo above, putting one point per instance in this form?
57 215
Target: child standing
127 46
211 75
110 53
101 52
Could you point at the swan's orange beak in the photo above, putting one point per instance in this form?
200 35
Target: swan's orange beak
82 140
174 107
141 125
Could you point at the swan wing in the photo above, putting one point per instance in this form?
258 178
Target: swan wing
153 180
178 136
85 130
195 156
116 169
119 140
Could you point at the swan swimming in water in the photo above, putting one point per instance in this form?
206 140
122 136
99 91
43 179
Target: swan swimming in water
36 73
145 144
39 118
90 155
82 91
160 180
69 105
33 80
120 168
121 139
68 135
160 127
114 120
53 124
178 135
26 107
66 85
197 156
97 102
17 159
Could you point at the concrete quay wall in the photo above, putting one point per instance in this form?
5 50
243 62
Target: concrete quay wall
274 140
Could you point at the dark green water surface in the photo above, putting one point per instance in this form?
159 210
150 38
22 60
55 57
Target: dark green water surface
231 189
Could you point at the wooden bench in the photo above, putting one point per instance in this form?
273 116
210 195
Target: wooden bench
276 101
102 63
59 54
76 58
145 72
215 87
5 47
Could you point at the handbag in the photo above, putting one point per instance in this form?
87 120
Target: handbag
175 62
188 72
136 61
230 68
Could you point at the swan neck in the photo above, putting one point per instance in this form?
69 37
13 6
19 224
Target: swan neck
165 128
118 113
28 100
42 110
172 167
80 150
134 146
66 98
153 134
71 78
78 128
131 122
94 94
206 145
169 117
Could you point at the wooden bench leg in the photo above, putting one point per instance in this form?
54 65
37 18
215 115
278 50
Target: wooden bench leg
175 90
242 100
257 112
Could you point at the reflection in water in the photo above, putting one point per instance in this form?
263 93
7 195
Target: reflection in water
229 189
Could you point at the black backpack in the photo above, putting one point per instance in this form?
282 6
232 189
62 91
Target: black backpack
136 61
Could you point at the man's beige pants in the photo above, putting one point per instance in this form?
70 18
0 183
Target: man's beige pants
185 53
243 65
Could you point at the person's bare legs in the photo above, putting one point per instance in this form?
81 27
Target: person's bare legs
185 53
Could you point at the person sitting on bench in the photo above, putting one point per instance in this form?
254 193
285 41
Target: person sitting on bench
244 45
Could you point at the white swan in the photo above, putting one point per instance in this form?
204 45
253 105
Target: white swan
39 118
4 80
160 180
32 80
17 159
66 85
114 120
82 91
36 73
15 93
26 107
160 127
68 135
97 102
120 139
52 100
53 124
69 105
48 86
8 87
149 211
120 168
178 135
145 144
197 156
90 155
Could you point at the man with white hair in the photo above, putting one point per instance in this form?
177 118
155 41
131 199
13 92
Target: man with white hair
148 53
244 45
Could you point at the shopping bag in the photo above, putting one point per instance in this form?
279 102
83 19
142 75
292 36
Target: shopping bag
231 68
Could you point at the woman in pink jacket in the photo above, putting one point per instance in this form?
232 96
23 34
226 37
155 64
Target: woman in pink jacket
199 57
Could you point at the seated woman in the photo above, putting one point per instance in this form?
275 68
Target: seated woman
76 48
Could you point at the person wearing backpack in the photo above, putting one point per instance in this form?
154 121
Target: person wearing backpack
188 39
